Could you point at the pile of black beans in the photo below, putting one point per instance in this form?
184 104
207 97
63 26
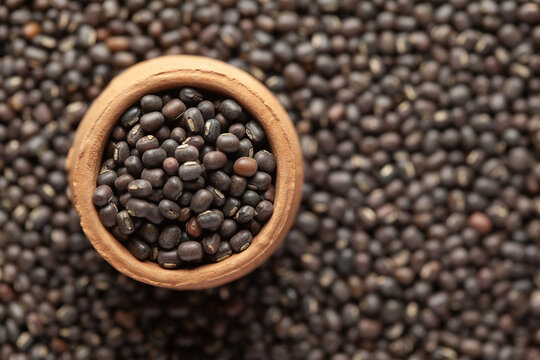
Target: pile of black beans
185 177
419 231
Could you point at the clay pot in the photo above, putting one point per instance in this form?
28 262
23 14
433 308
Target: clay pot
163 73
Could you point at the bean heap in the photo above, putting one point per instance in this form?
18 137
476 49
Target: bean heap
419 232
185 179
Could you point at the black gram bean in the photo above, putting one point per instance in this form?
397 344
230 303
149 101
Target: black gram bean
212 130
107 214
210 219
140 188
207 109
241 240
173 110
137 207
254 132
245 148
190 171
170 237
185 153
190 251
121 183
168 259
190 96
130 117
211 243
102 195
230 109
139 249
244 214
134 166
125 223
193 120
260 181
220 180
107 177
121 152
251 198
170 146
151 103
224 251
154 158
173 188
156 177
214 160
227 143
169 209
149 233
152 121
201 201
238 186
264 210
146 143
265 161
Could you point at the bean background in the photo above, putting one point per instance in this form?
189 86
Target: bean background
419 231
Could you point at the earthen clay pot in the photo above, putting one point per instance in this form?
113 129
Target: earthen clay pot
163 73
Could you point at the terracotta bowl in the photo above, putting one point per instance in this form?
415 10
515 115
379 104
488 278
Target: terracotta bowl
163 73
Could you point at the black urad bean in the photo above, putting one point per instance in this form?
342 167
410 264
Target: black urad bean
189 171
231 206
190 96
219 197
122 182
238 186
152 121
245 148
107 177
107 214
154 158
169 259
102 195
244 214
260 181
173 188
265 161
130 117
228 228
210 219
170 145
139 249
154 215
210 244
264 210
178 134
195 140
224 251
230 109
201 201
137 207
185 153
121 152
207 109
149 232
140 188
241 240
251 198
254 226
146 143
193 120
214 160
151 103
156 177
134 165
237 129
170 166
125 223
245 166
254 132
170 237
227 143
173 110
190 251
212 129
169 209
134 135
220 180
